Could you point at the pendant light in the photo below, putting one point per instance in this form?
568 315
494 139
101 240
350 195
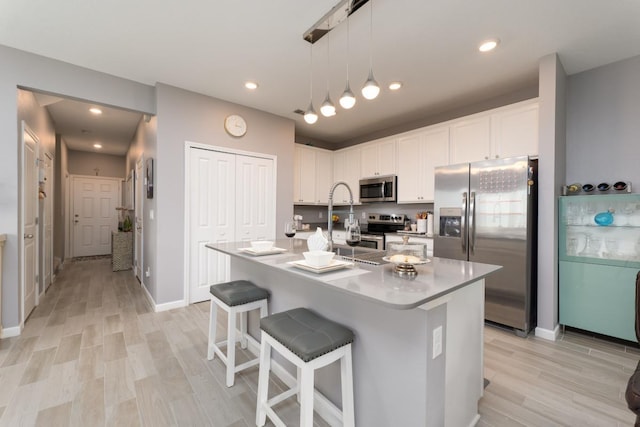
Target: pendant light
348 99
370 90
310 116
328 109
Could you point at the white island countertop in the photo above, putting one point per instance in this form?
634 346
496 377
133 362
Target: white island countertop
377 283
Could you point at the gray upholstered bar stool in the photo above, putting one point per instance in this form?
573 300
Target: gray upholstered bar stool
310 342
236 297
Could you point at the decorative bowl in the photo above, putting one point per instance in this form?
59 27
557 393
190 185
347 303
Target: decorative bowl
261 245
620 186
587 188
318 258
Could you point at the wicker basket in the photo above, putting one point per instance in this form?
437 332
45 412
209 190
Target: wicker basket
121 250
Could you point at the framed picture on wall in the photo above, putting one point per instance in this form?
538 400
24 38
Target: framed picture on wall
149 179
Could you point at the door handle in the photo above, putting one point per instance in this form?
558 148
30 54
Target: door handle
28 236
463 223
76 220
472 222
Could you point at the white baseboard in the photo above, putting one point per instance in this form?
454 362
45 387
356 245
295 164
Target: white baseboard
162 307
547 334
169 305
323 406
10 332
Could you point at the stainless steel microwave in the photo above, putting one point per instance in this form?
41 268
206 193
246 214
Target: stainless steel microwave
379 189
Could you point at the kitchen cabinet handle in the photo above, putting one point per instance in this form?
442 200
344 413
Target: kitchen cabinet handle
28 236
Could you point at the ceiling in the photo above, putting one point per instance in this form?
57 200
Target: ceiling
213 47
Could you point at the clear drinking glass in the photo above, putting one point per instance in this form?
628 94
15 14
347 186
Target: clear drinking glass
290 231
353 235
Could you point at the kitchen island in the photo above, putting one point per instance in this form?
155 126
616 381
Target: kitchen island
404 374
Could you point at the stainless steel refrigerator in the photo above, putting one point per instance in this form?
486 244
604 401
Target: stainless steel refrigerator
487 212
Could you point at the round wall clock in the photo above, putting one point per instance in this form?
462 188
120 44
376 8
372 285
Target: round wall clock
235 125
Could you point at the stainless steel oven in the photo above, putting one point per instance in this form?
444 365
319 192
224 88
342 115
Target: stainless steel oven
378 189
372 241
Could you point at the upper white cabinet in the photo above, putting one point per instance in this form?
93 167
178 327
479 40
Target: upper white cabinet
378 158
312 175
470 140
514 131
346 167
504 132
418 155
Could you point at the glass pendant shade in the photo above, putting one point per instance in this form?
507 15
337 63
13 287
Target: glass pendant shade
310 116
348 99
327 108
370 90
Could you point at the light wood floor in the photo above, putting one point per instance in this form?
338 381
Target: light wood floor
93 353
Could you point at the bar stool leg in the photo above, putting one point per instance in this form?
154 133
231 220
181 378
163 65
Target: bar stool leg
306 397
263 381
346 374
243 329
212 330
231 347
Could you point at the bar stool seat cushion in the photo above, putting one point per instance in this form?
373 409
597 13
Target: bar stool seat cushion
305 333
238 292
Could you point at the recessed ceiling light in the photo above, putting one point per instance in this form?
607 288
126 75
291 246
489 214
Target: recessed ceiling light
251 85
488 45
95 110
395 85
97 145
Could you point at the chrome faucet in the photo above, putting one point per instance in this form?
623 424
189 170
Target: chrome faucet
330 211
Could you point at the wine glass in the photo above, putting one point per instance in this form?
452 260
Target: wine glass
290 231
353 235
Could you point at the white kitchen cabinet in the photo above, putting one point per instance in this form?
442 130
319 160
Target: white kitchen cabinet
418 155
324 176
312 175
346 167
504 132
470 140
514 131
379 158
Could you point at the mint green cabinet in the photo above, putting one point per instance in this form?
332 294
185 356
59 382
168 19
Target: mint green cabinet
599 263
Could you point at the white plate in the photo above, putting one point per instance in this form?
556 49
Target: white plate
422 261
335 264
269 251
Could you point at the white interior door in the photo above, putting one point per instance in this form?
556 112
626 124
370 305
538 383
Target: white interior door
211 218
255 213
94 214
47 219
139 218
30 220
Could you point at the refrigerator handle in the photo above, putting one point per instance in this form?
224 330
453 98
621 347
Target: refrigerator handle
463 223
472 222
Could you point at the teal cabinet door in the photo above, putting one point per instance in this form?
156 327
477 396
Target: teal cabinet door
598 298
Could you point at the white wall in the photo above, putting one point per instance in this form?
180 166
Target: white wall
24 70
187 116
551 167
603 124
85 163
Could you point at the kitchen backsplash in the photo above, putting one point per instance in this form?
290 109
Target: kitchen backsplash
310 214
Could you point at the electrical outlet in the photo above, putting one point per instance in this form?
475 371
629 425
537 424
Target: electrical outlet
437 342
320 215
364 215
148 272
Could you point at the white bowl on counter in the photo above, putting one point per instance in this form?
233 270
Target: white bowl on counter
318 258
261 245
